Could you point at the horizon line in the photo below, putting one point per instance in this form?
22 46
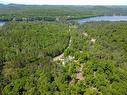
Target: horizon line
66 4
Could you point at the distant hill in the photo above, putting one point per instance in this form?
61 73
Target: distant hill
50 12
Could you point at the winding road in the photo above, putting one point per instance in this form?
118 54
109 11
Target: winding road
79 74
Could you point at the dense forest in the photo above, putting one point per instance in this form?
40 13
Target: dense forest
98 65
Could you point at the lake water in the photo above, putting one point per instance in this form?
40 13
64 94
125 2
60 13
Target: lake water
98 18
2 23
103 18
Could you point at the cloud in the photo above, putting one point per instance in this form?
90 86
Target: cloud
68 2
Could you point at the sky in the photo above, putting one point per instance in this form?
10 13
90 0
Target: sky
66 2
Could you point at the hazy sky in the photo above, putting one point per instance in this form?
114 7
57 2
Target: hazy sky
67 2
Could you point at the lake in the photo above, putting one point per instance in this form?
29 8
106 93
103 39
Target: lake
92 19
2 23
103 18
